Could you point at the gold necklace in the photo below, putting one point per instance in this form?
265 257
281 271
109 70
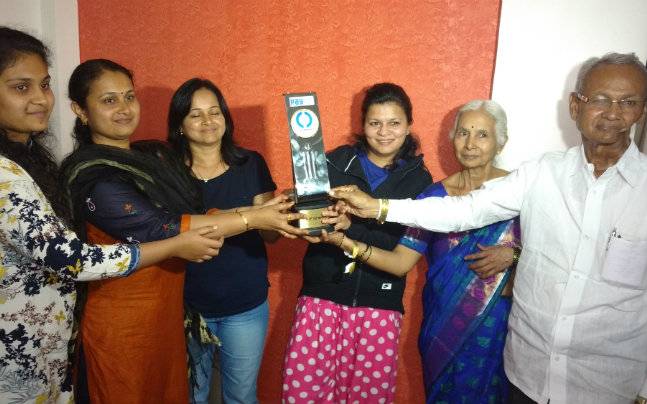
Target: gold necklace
197 174
220 164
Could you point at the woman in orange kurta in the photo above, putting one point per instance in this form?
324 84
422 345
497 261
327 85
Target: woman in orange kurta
132 333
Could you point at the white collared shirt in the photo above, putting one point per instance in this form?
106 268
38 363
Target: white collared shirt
578 326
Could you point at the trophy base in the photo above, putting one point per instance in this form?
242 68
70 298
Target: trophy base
312 220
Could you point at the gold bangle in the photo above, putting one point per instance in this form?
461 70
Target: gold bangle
341 241
640 400
384 211
370 251
361 256
244 220
353 253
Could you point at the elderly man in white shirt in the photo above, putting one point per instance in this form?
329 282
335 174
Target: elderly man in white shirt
578 325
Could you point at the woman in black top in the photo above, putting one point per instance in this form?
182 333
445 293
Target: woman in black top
229 292
343 345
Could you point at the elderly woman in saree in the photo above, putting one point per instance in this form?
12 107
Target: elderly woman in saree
466 299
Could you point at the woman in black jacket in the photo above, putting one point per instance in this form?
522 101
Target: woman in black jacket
343 345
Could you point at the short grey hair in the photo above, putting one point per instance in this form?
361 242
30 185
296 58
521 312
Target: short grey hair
608 59
495 111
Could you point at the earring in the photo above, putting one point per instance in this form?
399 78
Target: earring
181 132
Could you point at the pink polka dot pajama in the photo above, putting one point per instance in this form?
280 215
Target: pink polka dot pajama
341 354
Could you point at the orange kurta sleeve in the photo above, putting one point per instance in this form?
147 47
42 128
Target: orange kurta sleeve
185 223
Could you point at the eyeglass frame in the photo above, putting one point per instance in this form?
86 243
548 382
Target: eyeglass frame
610 102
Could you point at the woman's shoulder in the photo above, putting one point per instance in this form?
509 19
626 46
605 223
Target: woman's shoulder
249 158
417 163
19 188
155 148
412 173
437 189
11 171
343 158
112 186
249 153
344 151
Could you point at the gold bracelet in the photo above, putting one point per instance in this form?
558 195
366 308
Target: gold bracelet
370 251
384 211
640 400
244 220
361 256
353 253
341 241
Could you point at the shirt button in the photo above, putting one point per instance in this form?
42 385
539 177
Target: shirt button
556 359
563 318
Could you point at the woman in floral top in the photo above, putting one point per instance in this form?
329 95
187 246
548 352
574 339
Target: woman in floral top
39 257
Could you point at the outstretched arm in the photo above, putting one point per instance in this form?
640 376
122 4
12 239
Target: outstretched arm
29 226
499 199
273 217
121 211
269 236
194 245
397 262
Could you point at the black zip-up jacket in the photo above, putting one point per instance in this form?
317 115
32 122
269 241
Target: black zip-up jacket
323 264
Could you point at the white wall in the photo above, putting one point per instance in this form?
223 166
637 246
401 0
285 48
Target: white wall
541 45
56 23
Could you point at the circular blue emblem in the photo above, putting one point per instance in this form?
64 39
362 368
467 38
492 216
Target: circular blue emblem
304 123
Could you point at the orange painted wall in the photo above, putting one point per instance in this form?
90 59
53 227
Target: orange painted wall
441 52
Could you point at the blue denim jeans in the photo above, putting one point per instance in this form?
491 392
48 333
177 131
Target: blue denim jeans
243 337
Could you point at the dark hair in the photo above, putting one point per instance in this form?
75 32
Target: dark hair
34 157
381 93
179 109
79 86
14 43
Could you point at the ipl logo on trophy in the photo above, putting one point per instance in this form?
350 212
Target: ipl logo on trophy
309 169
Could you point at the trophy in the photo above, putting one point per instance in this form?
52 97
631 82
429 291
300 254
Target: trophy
309 167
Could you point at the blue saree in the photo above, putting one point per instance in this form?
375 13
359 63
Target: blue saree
464 318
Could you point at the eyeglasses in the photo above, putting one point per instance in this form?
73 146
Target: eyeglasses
604 103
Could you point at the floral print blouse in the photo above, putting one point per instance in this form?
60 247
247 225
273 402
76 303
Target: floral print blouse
40 259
